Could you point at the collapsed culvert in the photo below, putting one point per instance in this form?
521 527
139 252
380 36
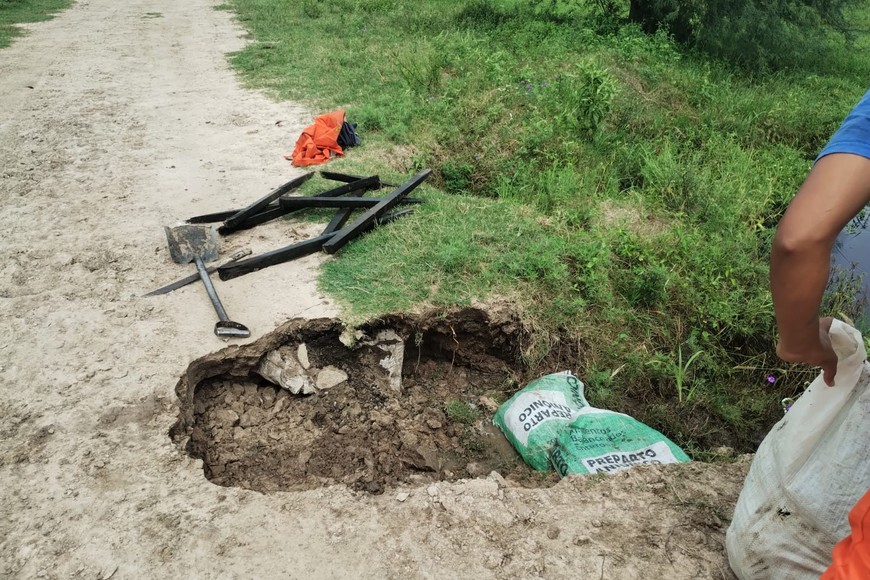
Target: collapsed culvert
402 400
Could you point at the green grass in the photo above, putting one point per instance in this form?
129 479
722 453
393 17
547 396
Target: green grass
14 12
461 412
621 191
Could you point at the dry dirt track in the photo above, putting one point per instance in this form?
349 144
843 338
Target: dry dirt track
118 118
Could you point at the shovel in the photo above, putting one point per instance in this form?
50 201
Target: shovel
199 244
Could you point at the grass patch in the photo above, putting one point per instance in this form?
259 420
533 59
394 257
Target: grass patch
620 190
461 412
14 12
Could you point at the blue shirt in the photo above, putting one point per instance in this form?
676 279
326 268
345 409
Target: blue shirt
853 136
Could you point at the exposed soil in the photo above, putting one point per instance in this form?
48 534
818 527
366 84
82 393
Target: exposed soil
363 433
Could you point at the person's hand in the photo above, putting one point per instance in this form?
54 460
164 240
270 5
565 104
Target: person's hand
819 353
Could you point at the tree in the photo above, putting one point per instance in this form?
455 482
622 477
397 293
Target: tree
755 33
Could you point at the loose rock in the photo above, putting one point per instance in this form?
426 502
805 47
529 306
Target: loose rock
227 418
476 470
299 385
553 532
408 438
253 416
496 477
281 368
382 419
391 343
267 394
423 458
302 355
488 404
330 377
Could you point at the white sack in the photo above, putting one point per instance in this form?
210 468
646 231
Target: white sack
808 473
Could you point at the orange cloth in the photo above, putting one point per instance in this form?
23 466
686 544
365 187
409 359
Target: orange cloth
319 141
851 557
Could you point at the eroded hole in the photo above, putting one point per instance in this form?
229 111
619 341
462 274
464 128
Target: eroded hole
363 432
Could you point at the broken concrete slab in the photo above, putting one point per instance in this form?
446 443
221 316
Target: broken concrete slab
280 367
393 345
302 356
330 377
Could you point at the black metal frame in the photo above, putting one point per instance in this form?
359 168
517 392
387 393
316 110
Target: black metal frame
362 223
334 236
293 251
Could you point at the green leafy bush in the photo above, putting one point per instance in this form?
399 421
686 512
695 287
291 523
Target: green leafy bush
586 96
753 33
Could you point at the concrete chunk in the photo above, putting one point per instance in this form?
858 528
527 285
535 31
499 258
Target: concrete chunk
302 356
330 377
281 368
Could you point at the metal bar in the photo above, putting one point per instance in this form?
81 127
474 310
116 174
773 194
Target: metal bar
274 257
256 219
342 215
394 215
303 202
219 216
347 178
361 185
234 220
362 223
194 277
340 218
291 252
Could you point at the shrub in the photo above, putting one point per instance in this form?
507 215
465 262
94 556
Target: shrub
586 96
753 33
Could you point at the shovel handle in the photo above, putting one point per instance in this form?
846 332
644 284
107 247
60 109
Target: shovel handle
209 287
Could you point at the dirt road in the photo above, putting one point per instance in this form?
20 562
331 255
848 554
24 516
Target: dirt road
119 118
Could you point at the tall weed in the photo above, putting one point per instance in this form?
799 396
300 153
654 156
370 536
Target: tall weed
586 96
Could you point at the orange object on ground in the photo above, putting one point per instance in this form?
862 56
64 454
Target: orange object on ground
852 555
319 141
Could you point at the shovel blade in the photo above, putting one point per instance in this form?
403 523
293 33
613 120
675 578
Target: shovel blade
188 241
230 329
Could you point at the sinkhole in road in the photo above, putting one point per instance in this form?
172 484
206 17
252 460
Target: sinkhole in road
401 400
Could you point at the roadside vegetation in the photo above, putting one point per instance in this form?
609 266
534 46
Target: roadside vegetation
14 12
619 188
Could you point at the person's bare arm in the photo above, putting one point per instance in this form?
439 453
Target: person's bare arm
834 192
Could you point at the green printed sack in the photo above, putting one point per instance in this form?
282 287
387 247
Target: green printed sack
533 418
600 441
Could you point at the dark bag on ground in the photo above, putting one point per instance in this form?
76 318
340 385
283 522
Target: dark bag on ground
348 137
